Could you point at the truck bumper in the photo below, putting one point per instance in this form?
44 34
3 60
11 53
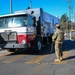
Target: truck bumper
10 46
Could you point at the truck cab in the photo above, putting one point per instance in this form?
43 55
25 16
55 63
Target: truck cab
16 30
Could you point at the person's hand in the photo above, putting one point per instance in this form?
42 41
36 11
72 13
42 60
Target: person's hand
52 41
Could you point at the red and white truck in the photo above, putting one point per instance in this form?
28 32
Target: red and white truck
26 28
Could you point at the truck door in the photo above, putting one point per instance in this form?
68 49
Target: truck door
31 27
38 27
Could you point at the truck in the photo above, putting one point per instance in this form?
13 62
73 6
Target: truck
30 28
72 35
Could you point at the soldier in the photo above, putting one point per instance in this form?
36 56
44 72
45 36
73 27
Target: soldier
58 38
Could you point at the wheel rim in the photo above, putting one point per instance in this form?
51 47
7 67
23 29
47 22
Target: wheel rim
39 45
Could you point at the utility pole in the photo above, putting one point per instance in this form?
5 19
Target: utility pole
10 6
70 7
30 4
74 17
57 10
74 20
66 24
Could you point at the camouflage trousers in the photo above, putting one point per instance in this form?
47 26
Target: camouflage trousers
58 50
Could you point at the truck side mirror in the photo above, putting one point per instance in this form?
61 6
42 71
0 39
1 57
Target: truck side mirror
34 19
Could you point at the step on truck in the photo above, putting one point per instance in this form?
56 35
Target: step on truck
26 28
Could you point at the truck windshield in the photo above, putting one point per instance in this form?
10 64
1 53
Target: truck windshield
13 21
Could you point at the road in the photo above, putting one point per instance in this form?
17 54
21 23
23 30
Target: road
31 63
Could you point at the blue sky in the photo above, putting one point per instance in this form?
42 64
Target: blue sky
54 7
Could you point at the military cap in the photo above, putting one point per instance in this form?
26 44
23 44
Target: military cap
57 25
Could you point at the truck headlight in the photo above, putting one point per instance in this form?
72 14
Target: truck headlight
23 41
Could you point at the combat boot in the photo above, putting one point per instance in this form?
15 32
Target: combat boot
61 58
57 60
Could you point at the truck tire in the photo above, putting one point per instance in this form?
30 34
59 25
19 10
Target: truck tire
11 50
38 45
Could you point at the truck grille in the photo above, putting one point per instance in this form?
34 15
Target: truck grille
8 37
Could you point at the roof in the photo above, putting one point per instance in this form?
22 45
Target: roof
20 13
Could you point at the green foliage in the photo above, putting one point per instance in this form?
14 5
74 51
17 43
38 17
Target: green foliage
64 21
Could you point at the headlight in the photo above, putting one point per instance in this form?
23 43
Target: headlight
23 41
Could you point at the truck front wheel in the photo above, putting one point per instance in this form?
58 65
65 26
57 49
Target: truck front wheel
38 45
11 50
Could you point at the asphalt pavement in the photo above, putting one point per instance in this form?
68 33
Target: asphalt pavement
39 63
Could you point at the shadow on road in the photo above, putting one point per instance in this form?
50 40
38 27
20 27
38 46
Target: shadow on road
45 51
70 57
68 45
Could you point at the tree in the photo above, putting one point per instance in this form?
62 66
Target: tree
64 20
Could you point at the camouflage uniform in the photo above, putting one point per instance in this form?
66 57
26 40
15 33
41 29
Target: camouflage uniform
58 38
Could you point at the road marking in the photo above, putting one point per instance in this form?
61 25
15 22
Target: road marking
39 69
13 59
3 55
36 59
65 55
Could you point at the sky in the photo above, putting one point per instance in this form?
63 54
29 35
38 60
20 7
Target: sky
53 7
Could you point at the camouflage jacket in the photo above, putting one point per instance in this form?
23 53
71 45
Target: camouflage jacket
58 36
